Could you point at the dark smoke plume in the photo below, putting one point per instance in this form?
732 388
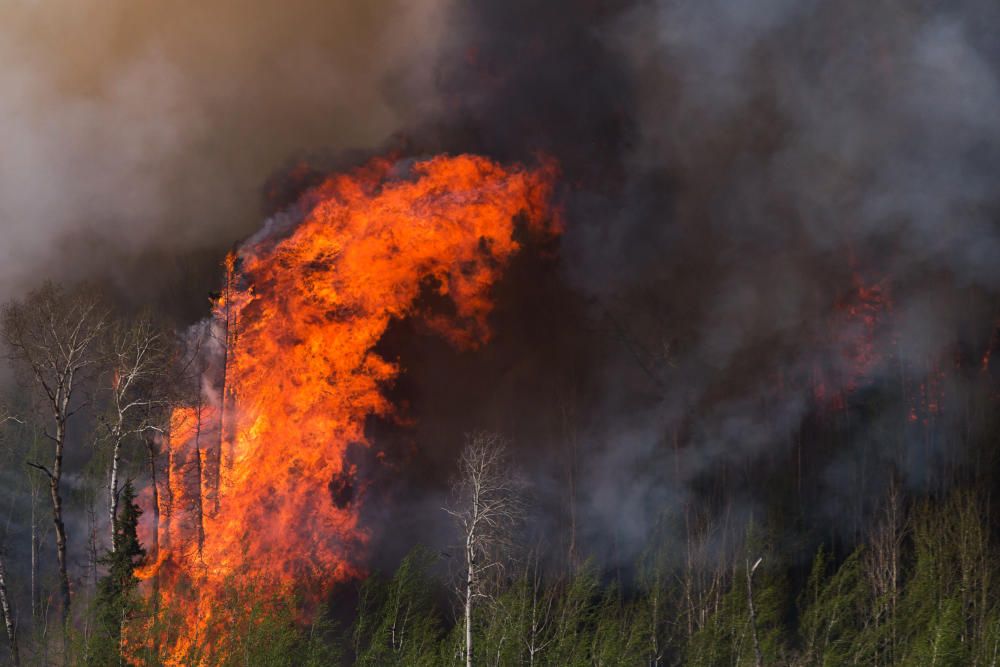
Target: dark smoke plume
781 246
743 182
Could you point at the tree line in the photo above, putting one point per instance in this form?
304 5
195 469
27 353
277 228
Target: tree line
93 395
915 584
922 589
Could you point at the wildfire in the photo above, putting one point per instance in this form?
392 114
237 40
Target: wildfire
302 315
864 343
857 325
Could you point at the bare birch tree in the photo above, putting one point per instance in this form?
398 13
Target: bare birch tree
542 600
883 563
6 603
52 335
487 506
170 389
137 363
6 608
758 658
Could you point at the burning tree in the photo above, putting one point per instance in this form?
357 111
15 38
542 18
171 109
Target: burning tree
487 507
311 306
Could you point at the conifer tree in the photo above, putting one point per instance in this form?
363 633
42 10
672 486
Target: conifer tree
117 596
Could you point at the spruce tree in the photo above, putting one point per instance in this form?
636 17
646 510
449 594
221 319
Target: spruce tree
117 596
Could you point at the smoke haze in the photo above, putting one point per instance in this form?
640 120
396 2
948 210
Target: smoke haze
148 130
740 180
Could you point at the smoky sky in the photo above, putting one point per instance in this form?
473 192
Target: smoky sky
149 129
732 173
737 175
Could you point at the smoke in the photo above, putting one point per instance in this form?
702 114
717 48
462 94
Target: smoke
781 236
807 147
135 137
736 174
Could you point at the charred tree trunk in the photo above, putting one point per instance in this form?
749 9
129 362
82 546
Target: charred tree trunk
154 546
214 458
199 506
227 393
167 502
226 436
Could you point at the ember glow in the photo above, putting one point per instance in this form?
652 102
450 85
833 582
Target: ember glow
864 345
857 343
301 316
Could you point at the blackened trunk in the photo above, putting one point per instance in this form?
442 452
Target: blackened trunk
154 546
199 508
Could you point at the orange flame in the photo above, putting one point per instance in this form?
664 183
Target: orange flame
308 311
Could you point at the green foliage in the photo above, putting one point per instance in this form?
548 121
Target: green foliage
575 618
257 629
657 605
832 611
617 638
117 599
938 607
270 636
727 637
940 643
397 621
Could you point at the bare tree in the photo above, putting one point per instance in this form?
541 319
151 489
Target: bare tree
7 416
170 389
152 439
758 658
883 562
6 604
229 335
541 616
190 457
137 362
39 533
8 613
197 459
487 506
52 335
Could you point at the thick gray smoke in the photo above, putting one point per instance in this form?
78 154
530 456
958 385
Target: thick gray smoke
782 221
133 135
809 148
745 183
